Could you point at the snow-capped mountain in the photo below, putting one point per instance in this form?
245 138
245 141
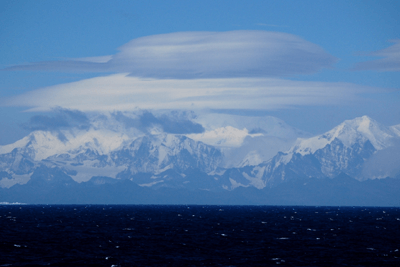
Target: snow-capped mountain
349 133
349 148
221 156
147 154
42 144
346 147
158 153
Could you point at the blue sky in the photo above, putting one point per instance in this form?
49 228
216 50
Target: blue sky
310 63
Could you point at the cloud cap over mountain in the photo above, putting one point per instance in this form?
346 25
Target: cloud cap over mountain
203 55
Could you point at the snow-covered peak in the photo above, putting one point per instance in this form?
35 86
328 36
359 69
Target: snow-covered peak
45 143
358 130
223 137
39 142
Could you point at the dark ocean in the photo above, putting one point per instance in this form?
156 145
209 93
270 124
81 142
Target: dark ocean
162 235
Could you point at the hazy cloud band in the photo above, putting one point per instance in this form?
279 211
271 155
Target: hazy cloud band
122 92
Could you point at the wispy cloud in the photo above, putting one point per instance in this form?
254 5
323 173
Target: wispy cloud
203 55
390 60
122 92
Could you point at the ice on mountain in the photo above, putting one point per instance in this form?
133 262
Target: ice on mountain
151 184
235 184
86 172
256 181
16 179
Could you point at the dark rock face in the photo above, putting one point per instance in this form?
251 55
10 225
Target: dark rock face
336 158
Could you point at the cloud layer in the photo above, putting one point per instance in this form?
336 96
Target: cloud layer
390 60
204 55
145 121
61 119
122 92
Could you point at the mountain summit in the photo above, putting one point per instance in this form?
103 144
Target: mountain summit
349 133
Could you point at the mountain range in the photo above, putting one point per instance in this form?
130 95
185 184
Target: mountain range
183 157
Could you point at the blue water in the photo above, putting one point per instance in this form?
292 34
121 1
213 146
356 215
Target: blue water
130 235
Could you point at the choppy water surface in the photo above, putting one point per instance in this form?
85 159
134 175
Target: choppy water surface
102 235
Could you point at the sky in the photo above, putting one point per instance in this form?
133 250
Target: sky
311 63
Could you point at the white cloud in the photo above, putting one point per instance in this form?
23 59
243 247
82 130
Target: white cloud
390 60
204 55
224 136
122 92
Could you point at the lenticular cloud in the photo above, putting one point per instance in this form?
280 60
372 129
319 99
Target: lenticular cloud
389 61
187 55
122 92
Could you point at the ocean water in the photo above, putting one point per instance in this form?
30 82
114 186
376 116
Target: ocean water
161 235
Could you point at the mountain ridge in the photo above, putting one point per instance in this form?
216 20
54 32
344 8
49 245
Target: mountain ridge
168 160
